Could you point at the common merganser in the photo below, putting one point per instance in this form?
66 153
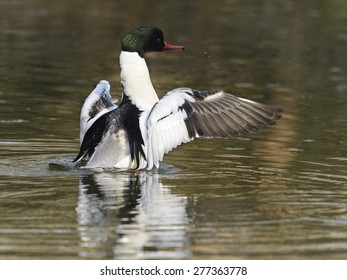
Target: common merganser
139 132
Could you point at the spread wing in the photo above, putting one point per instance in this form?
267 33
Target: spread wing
98 103
184 114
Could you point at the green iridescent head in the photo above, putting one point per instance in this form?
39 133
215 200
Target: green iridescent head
146 39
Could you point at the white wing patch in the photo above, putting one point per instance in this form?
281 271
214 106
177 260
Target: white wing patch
166 126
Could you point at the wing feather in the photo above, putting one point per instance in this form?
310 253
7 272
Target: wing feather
184 114
92 138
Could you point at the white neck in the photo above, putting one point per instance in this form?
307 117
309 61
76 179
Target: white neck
136 81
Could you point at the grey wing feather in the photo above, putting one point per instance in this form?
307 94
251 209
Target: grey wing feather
184 114
219 114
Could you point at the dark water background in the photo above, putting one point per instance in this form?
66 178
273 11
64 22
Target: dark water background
277 194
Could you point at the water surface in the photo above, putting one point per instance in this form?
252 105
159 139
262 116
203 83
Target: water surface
277 194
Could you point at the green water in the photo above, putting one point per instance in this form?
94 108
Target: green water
277 194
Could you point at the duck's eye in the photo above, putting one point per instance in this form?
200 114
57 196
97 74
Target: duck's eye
158 40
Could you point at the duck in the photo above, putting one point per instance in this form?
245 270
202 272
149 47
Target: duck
137 133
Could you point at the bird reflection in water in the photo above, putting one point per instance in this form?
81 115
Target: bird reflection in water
130 216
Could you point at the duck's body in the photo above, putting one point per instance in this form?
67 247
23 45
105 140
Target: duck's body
143 128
